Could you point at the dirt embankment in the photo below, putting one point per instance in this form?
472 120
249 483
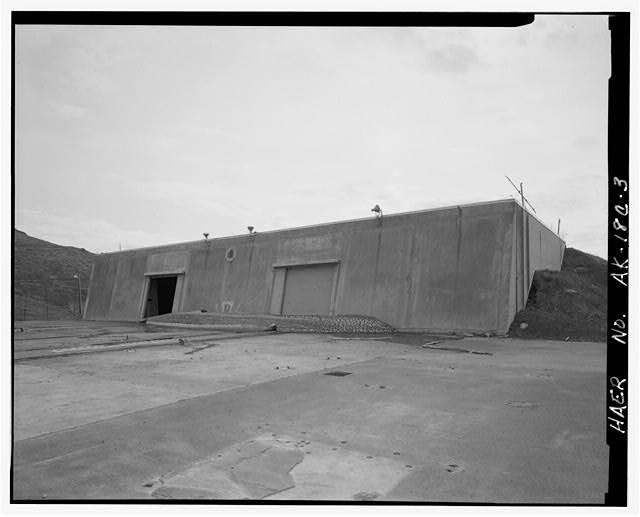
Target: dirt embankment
570 303
44 285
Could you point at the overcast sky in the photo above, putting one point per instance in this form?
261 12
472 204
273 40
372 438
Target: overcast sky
137 136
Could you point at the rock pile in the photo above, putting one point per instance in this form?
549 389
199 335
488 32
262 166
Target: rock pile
347 324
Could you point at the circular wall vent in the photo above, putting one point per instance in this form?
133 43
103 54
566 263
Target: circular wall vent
231 254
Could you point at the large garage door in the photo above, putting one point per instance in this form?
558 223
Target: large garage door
307 289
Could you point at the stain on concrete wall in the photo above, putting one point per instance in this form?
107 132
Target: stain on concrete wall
128 288
447 269
98 305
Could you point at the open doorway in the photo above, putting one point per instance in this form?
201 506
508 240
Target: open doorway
161 293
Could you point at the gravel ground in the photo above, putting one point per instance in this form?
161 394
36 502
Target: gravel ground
317 324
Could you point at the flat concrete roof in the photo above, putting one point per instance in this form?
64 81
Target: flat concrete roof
346 221
320 225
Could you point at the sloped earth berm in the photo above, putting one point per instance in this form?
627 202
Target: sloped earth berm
317 324
566 305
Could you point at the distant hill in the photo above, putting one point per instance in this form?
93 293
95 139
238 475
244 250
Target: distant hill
570 303
44 287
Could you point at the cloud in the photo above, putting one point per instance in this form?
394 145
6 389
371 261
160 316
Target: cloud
95 235
454 58
586 142
188 195
68 110
214 129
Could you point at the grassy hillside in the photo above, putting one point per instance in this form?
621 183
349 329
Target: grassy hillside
571 303
44 287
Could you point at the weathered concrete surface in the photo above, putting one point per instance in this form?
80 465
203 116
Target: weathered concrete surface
540 249
55 393
32 338
446 269
275 466
521 422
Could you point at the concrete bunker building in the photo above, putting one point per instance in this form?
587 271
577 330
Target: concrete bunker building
459 268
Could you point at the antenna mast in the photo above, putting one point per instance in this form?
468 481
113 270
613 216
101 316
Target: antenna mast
521 192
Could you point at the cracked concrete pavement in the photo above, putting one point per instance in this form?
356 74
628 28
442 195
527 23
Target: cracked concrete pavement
256 417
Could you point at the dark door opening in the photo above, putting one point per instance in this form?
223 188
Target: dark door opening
161 293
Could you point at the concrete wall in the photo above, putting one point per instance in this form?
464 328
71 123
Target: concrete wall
540 249
445 269
546 249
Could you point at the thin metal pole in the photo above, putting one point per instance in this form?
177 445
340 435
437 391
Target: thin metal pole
80 296
524 199
558 226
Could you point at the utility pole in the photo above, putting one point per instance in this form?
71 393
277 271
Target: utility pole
79 297
79 294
